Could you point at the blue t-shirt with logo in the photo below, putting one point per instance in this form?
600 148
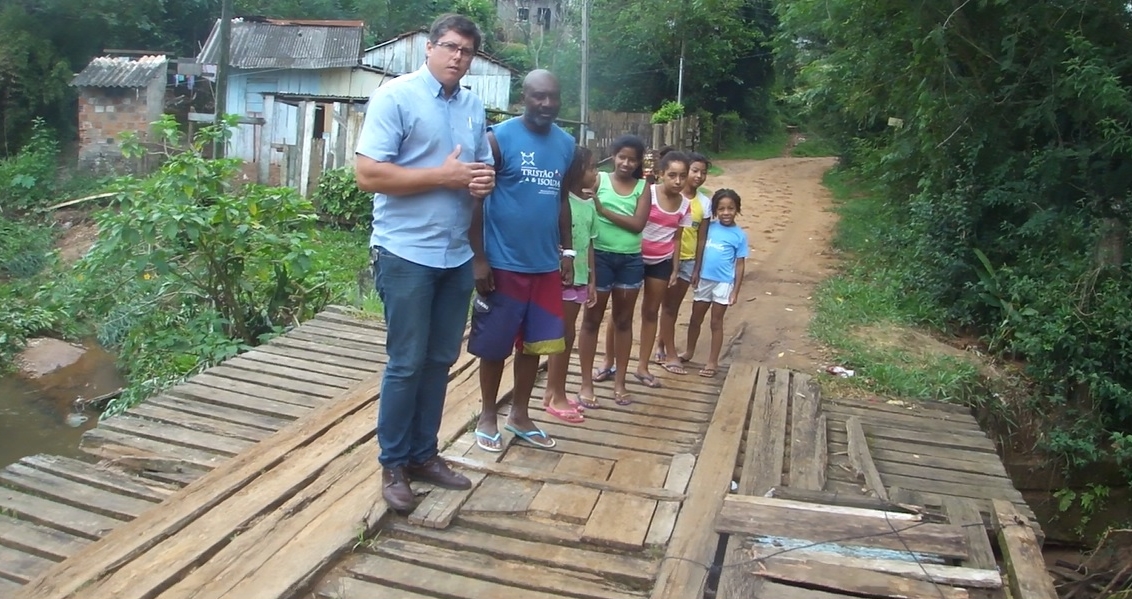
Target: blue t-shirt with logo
724 245
521 214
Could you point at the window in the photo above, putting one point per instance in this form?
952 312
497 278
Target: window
543 17
523 14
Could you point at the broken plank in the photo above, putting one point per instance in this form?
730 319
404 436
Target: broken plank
514 573
681 576
626 569
851 580
195 422
741 517
220 412
560 533
867 502
755 503
766 436
501 495
965 513
983 578
862 460
664 518
440 506
1025 567
137 453
541 476
175 435
134 538
807 434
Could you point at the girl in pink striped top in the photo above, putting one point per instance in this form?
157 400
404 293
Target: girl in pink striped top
669 213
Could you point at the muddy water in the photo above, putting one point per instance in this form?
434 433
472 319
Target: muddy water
39 416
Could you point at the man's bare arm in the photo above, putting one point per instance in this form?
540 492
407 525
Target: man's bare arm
389 178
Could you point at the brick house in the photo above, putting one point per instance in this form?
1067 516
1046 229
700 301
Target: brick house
116 95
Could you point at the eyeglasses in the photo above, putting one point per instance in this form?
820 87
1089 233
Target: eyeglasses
454 48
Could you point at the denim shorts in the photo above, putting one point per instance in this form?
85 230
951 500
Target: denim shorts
621 271
686 269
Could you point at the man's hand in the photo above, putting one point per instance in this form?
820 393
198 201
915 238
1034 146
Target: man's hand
566 267
481 270
459 175
482 185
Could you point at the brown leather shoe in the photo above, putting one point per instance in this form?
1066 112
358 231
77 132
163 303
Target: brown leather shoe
437 472
395 489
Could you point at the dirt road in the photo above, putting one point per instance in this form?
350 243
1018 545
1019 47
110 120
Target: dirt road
789 222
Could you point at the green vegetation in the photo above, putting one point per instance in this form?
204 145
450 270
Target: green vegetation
813 146
668 112
858 309
188 270
770 145
339 201
993 138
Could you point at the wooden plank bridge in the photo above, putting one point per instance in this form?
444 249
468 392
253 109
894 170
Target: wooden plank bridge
258 478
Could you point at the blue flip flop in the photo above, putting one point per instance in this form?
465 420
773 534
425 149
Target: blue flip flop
496 438
529 437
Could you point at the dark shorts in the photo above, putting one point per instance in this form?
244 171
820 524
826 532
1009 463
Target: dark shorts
524 312
660 270
623 271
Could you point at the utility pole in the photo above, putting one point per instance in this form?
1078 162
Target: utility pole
585 90
680 79
221 99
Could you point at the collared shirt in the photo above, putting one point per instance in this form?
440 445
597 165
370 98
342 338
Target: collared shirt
409 122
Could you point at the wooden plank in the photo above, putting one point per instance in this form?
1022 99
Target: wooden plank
630 429
983 578
630 486
862 460
851 580
129 451
840 413
766 435
19 566
989 467
67 492
756 503
807 434
764 519
601 452
880 443
55 515
39 540
513 573
617 567
543 531
664 518
220 412
425 580
273 382
195 422
175 435
301 365
570 502
940 438
660 422
344 587
134 538
621 518
250 403
829 498
333 344
375 355
286 374
654 446
341 332
945 476
440 506
8 587
773 590
501 494
1025 567
692 543
314 358
211 378
962 490
96 476
964 513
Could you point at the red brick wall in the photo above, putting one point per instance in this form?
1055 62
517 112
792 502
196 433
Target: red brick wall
106 113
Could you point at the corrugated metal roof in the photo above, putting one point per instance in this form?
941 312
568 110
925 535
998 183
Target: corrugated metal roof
117 71
276 45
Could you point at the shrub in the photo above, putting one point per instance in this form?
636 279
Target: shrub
668 112
339 200
27 180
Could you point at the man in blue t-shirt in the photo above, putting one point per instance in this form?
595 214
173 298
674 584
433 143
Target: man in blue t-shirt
521 241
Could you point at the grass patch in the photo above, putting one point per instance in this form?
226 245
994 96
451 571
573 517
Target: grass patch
812 146
344 256
771 145
871 323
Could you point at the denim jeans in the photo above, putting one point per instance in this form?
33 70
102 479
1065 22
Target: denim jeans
425 312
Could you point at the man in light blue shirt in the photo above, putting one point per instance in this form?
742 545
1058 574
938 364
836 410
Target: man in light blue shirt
423 151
